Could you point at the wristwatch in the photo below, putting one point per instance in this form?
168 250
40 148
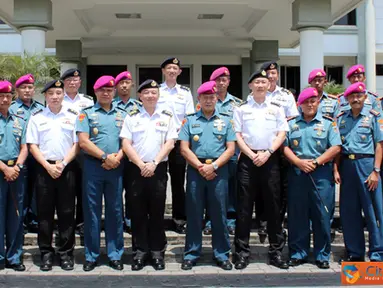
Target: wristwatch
155 163
376 169
215 166
103 157
315 162
64 163
21 166
271 151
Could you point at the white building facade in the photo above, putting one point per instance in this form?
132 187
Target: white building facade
107 37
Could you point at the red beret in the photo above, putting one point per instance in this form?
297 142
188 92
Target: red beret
222 71
28 79
306 94
356 69
207 88
358 87
5 87
316 73
122 76
104 81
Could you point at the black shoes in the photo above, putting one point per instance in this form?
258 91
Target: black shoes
46 263
225 265
138 264
332 235
322 264
116 265
187 264
158 264
89 266
207 231
231 230
241 263
67 264
180 228
351 259
17 267
294 262
277 261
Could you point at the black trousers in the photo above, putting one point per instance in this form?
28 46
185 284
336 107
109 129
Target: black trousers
56 194
128 166
252 182
177 168
78 163
146 201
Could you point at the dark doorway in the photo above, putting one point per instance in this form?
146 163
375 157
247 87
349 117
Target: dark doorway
94 72
235 87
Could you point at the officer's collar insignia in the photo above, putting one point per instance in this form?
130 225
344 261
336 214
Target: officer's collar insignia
72 111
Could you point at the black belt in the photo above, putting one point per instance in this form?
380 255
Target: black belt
54 161
357 156
256 151
207 160
9 163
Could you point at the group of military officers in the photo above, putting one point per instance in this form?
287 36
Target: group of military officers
266 151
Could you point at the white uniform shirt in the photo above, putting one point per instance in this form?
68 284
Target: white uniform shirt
54 133
79 102
259 123
179 99
285 99
149 133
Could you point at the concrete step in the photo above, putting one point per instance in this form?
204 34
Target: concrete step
173 238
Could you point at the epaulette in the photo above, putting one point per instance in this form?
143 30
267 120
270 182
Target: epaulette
37 112
373 94
117 107
374 112
191 114
185 88
224 114
138 102
13 102
276 104
88 97
166 112
243 103
70 110
332 96
134 112
291 118
286 91
328 118
18 116
87 108
340 95
39 103
238 99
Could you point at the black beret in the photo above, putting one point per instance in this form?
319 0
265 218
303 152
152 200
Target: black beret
269 65
171 60
53 84
150 83
70 73
258 74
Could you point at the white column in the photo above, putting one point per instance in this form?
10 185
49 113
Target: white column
370 44
64 66
311 51
33 40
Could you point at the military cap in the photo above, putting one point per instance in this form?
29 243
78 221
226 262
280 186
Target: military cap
358 87
355 70
150 83
70 73
222 71
258 74
126 75
104 81
306 94
269 65
26 79
316 73
53 84
171 60
207 88
5 87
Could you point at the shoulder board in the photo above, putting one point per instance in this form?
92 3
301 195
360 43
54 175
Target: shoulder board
286 91
243 103
121 108
276 104
138 102
340 95
37 112
373 94
332 96
291 118
328 118
374 112
238 99
70 110
185 88
134 112
166 112
13 102
340 114
191 114
39 103
18 116
87 108
88 97
224 114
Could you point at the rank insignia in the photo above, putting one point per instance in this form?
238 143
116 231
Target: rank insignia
196 138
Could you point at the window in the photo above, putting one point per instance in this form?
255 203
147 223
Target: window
379 69
290 77
349 19
334 74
